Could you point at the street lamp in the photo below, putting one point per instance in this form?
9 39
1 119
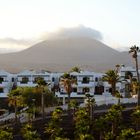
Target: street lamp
33 108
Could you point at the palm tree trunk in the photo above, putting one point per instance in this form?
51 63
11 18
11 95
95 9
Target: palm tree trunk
137 70
113 89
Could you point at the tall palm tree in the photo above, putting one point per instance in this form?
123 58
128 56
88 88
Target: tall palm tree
15 100
117 67
112 78
67 81
135 50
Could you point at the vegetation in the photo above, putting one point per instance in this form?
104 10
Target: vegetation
29 133
67 81
112 78
135 50
85 125
53 129
6 134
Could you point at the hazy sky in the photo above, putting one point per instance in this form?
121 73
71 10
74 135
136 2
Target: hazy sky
26 20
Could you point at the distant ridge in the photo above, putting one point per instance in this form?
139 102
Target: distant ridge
62 54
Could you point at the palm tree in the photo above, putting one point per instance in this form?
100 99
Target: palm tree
15 100
114 116
53 127
82 124
67 81
117 68
76 69
135 50
112 78
101 126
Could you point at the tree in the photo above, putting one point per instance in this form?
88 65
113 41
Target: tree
114 116
135 86
135 50
53 128
6 134
136 117
29 133
118 95
15 100
128 134
76 69
117 68
67 81
74 105
112 78
82 124
101 126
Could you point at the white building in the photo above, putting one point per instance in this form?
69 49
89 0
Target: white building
29 78
87 82
6 83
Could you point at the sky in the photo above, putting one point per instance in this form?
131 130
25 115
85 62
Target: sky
25 22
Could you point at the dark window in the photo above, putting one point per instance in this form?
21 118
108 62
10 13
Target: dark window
96 79
86 89
1 79
13 79
1 90
53 79
128 75
74 89
99 89
25 80
85 80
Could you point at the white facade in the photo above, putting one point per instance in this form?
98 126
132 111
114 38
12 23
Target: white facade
28 78
86 82
6 83
122 71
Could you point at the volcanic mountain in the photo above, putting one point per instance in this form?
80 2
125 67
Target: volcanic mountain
61 55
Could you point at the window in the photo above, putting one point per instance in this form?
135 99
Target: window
128 75
1 90
99 90
1 79
25 80
74 89
96 79
85 80
13 79
86 89
53 79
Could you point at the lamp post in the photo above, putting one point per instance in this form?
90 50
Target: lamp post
42 104
33 108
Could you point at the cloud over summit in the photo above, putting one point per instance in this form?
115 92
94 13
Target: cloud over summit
79 31
12 45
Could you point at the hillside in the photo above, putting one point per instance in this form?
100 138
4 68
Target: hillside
63 54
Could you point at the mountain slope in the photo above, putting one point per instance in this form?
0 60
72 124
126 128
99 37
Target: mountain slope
62 55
